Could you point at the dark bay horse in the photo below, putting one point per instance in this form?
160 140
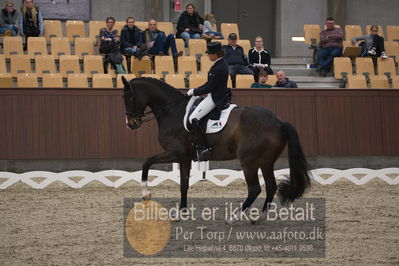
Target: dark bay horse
253 135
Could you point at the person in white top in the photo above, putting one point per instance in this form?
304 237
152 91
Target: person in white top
259 59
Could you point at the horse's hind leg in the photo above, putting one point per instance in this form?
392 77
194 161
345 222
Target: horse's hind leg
271 186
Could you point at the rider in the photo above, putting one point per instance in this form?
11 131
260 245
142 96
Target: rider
217 96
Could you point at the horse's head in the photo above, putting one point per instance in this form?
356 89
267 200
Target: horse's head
134 106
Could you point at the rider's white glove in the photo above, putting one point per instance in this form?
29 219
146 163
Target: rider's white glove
190 92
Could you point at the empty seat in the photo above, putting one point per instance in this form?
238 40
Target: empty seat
379 82
94 29
357 82
380 30
393 33
197 47
143 25
227 28
164 65
84 46
37 46
102 81
205 64
244 81
12 45
342 65
395 82
246 45
197 80
175 80
75 29
392 50
154 76
187 65
44 64
93 64
6 80
77 81
53 80
3 68
386 66
312 33
143 66
271 80
20 64
119 25
166 27
27 80
119 82
69 64
111 71
352 31
364 65
52 29
60 46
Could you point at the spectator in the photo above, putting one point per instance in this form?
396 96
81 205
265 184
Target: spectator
9 20
189 25
263 76
259 59
131 39
30 21
283 81
109 46
157 42
330 46
372 44
235 58
208 32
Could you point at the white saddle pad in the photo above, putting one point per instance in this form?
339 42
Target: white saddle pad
213 126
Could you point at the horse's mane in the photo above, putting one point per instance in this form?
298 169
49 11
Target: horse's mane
163 87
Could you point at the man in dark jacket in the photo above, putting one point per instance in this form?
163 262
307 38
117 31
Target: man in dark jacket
131 39
9 20
235 57
284 82
217 96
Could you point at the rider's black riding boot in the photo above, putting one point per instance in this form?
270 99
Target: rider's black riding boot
203 151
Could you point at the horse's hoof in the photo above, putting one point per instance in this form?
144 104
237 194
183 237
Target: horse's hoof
147 196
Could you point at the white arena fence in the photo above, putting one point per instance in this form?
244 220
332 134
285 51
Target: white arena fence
199 172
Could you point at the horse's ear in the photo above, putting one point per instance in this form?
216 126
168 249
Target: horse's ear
126 84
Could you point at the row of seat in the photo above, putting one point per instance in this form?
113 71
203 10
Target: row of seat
92 64
376 82
76 28
363 66
312 32
85 46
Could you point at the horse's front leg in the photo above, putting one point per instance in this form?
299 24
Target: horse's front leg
185 167
165 157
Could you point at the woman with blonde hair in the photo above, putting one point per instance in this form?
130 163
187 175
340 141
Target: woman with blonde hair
31 20
208 31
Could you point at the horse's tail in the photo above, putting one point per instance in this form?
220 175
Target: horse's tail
299 181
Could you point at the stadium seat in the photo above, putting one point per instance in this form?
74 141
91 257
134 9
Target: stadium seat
75 29
223 41
393 33
154 76
6 80
112 71
93 64
166 27
227 28
3 68
44 64
379 82
386 66
205 64
312 33
197 80
364 65
27 81
77 81
197 47
395 82
83 46
164 65
357 82
142 25
94 29
244 81
352 31
119 25
175 80
143 66
53 80
60 46
342 65
380 30
187 65
12 45
20 64
37 46
119 83
179 46
102 81
52 29
246 45
392 50
69 64
271 80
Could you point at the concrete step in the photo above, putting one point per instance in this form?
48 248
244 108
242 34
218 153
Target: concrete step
289 71
291 60
318 85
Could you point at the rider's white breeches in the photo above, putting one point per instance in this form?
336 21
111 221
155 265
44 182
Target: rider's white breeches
203 108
